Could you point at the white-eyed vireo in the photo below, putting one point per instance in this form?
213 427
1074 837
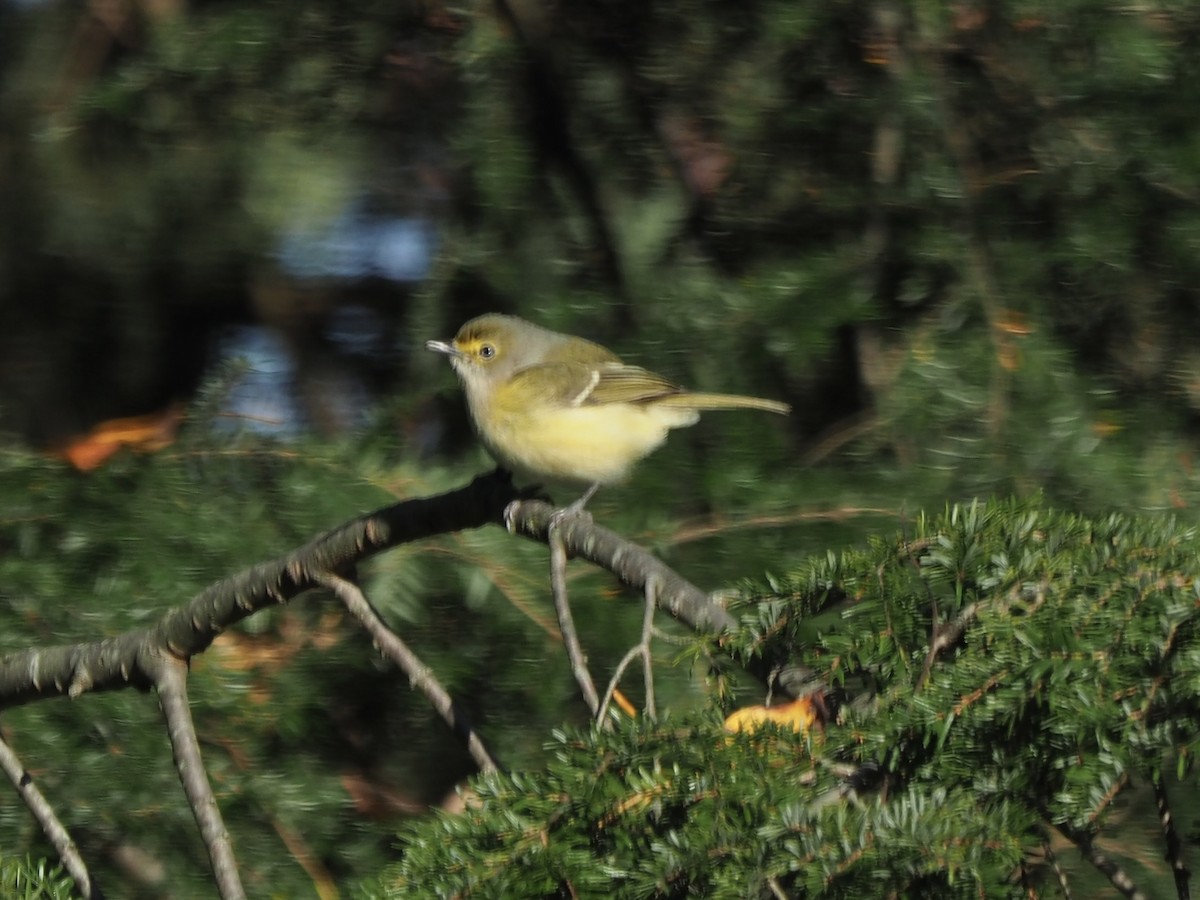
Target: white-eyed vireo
560 407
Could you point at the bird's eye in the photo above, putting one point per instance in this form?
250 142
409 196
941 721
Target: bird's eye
486 351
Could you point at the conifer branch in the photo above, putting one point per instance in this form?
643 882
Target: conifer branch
393 647
51 825
169 676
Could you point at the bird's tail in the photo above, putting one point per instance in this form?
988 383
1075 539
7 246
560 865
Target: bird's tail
687 400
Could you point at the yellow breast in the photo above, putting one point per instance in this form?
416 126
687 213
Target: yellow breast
592 444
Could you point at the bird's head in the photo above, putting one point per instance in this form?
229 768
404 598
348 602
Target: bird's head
487 350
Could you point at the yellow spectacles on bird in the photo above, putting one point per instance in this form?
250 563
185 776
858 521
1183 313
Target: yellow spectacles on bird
561 407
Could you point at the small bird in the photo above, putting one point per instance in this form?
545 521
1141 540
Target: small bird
563 408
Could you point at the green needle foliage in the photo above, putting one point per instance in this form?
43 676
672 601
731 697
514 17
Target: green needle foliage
684 810
1065 673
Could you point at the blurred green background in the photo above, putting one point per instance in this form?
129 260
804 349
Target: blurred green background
961 239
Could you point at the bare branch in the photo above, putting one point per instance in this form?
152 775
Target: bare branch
169 676
776 888
188 629
421 676
54 829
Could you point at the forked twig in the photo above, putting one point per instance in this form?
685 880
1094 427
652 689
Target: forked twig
640 649
634 565
421 676
651 596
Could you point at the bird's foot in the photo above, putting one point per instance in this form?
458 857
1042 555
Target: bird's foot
560 517
575 510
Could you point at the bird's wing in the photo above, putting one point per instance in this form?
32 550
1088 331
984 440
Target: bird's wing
619 383
589 384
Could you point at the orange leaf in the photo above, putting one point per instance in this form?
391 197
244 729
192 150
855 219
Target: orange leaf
800 714
145 434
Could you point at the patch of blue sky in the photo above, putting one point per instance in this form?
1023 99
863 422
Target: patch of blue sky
357 246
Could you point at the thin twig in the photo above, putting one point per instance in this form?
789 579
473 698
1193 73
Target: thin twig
703 528
421 676
651 596
566 622
640 649
169 676
54 829
323 882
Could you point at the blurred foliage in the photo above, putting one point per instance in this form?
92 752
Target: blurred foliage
930 229
961 239
1069 672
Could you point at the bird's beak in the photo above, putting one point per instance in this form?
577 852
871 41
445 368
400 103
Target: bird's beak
442 347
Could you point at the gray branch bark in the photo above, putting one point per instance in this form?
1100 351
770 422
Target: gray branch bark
188 629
